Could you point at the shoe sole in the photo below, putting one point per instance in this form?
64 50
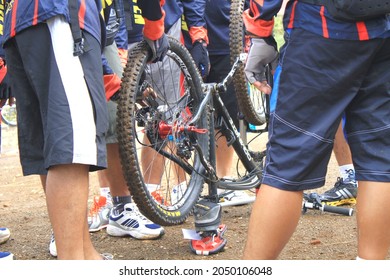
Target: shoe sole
4 239
238 202
10 257
348 201
5 235
54 255
118 232
98 229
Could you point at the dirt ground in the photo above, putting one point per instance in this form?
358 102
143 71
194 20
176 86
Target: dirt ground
319 236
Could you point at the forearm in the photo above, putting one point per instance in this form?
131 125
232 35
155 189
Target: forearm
154 17
194 13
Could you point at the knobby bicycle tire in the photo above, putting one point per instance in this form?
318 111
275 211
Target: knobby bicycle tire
156 104
251 102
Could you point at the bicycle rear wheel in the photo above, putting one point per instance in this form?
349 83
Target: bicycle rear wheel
251 102
160 150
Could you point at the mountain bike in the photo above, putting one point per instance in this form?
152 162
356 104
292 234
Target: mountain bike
166 133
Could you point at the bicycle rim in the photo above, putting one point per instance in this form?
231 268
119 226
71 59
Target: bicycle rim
161 165
251 101
8 115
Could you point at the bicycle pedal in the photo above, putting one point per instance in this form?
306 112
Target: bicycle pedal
211 242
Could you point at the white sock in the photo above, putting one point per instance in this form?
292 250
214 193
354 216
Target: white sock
105 191
152 187
344 170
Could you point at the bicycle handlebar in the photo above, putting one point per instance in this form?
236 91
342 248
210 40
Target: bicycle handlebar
313 201
328 208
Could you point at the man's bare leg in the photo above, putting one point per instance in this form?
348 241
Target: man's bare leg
341 148
224 158
373 218
274 218
113 175
67 189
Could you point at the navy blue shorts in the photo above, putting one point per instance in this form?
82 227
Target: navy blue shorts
316 81
62 111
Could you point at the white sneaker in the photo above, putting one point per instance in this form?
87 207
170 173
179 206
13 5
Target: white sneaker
52 246
132 223
53 249
4 235
107 256
236 198
6 256
99 213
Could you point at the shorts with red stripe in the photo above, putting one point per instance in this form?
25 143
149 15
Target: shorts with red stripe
316 81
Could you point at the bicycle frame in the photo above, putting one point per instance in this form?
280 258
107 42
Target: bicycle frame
175 126
213 100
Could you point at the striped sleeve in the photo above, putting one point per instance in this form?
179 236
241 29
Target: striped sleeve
154 17
259 18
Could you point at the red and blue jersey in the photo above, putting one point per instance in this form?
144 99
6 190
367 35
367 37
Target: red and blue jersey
314 18
217 16
193 10
154 17
22 14
194 17
134 21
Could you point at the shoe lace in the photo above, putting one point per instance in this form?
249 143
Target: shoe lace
337 186
338 183
98 203
351 175
138 214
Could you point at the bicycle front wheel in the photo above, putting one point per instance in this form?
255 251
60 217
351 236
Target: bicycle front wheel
251 102
160 149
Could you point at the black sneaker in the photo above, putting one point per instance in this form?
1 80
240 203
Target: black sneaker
343 193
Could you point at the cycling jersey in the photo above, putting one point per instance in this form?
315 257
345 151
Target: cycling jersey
134 21
218 19
26 13
313 18
174 9
194 17
154 17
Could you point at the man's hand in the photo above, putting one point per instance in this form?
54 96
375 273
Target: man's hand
201 57
263 51
158 47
